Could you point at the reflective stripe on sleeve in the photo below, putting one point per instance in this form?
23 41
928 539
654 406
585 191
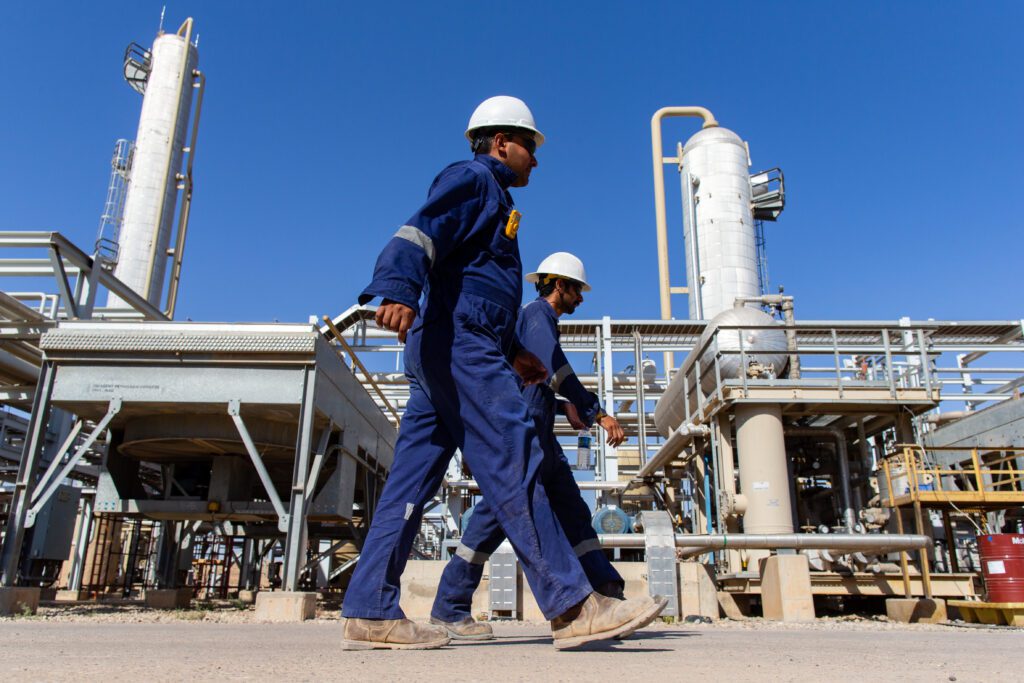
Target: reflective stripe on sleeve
557 378
419 238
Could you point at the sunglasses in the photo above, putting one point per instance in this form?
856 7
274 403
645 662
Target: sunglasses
527 143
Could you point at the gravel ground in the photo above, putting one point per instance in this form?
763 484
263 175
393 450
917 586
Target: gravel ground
127 642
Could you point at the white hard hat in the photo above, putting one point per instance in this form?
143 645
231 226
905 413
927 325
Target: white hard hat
564 265
503 111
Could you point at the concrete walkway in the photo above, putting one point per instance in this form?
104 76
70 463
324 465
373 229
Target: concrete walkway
175 649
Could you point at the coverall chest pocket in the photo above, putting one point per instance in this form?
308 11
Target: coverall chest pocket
505 233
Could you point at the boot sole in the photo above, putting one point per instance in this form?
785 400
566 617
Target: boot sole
630 626
662 600
370 645
484 636
455 635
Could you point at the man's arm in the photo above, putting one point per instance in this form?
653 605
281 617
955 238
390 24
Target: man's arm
540 335
447 219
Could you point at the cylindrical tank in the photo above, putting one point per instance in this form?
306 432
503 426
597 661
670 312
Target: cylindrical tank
152 187
1002 565
721 249
764 346
764 475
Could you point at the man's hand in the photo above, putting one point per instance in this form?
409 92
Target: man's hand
396 317
573 416
529 367
615 434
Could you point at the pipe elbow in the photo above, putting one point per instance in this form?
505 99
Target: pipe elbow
702 112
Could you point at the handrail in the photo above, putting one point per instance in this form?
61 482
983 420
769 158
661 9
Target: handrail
912 460
366 373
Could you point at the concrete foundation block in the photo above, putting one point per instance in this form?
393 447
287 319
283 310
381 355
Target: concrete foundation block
282 606
72 596
419 586
634 574
47 594
247 597
698 594
916 610
736 607
168 598
786 588
18 600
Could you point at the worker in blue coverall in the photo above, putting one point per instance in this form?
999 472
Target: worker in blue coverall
560 281
460 250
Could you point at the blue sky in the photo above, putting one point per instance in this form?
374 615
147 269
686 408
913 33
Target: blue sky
897 125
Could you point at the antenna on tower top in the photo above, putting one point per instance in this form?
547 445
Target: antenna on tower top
163 10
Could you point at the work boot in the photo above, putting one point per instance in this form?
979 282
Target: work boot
661 600
391 634
601 618
466 628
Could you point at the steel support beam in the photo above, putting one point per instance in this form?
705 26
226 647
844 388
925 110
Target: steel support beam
24 486
295 538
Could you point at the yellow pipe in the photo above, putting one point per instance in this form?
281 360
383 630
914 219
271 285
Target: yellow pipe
659 206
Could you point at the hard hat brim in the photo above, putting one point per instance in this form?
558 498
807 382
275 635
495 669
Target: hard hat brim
538 137
534 278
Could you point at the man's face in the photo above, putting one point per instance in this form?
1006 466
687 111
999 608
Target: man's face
516 150
570 295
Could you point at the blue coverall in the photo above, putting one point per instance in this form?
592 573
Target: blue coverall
463 391
538 332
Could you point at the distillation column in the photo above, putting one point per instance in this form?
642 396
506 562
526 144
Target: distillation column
721 267
153 184
721 250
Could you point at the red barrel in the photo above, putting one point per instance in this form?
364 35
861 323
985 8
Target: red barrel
1002 565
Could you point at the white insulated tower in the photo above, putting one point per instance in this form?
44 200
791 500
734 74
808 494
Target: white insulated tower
720 238
721 250
156 172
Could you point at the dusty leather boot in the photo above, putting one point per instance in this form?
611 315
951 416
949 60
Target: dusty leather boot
465 629
661 601
601 618
391 634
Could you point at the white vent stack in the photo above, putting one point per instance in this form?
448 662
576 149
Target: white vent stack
149 209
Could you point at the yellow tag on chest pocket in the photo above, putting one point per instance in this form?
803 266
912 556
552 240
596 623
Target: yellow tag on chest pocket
512 227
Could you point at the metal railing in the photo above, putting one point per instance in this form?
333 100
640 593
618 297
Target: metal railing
973 480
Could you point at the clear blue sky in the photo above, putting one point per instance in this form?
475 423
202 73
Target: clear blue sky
898 126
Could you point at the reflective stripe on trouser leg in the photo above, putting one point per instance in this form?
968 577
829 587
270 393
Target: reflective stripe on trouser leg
421 457
575 515
500 445
461 577
470 555
587 546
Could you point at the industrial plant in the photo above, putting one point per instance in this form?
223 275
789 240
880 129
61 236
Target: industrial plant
775 466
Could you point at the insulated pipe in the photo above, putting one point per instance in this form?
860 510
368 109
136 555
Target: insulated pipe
696 544
949 416
844 465
659 205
